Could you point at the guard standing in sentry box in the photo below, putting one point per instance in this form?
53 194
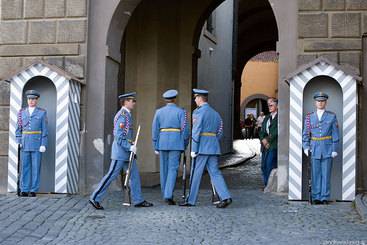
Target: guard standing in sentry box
31 135
321 140
170 136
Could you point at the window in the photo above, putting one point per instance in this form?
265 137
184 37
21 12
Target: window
210 28
210 24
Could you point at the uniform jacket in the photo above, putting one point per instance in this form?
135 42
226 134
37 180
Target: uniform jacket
27 125
326 127
170 117
123 135
206 121
272 136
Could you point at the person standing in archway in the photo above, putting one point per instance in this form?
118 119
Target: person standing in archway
321 139
259 122
170 136
207 130
31 135
122 146
269 140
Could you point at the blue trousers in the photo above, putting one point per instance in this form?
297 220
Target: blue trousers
211 163
115 169
321 174
31 168
169 163
269 161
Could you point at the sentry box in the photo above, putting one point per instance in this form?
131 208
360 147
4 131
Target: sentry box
60 96
342 87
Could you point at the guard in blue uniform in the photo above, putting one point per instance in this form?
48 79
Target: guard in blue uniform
321 140
170 135
207 130
31 134
121 147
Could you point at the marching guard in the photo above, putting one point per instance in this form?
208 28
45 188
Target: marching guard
170 136
121 147
207 130
321 140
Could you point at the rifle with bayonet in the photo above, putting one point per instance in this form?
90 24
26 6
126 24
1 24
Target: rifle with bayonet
184 177
18 172
127 189
309 165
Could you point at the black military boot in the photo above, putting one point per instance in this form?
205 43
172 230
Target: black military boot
96 205
23 194
32 194
170 201
144 204
224 203
316 202
186 204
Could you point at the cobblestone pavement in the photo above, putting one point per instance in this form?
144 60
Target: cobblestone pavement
253 218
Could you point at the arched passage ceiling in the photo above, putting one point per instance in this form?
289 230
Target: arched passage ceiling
257 29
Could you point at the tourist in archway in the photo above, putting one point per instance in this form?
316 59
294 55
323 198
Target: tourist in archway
269 140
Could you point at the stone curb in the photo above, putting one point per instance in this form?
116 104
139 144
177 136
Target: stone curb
361 205
240 161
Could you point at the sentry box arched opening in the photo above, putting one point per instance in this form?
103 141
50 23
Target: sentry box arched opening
327 73
66 110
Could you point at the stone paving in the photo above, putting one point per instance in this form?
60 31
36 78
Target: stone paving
253 218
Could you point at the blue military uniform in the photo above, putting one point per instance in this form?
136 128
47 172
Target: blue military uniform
123 140
170 136
31 133
207 130
321 138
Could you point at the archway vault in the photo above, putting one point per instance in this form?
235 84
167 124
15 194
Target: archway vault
107 38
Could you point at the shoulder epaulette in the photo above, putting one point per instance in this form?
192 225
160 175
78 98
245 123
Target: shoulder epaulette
41 109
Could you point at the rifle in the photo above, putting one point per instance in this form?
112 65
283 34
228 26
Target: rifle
192 171
18 172
184 176
309 166
127 189
309 170
215 197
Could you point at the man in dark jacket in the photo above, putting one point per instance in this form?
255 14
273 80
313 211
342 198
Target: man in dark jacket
269 140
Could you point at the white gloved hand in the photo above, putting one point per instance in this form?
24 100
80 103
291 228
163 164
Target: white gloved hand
42 148
20 145
334 154
306 152
133 149
156 152
193 154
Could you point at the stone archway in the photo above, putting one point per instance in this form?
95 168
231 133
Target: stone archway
105 36
251 98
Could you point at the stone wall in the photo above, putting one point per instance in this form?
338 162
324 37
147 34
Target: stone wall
333 29
54 31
